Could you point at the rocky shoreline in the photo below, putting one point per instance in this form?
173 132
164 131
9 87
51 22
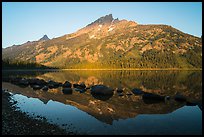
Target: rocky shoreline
15 122
100 92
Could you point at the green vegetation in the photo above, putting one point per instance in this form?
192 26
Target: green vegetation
7 65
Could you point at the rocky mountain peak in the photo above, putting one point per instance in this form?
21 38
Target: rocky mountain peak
103 20
45 37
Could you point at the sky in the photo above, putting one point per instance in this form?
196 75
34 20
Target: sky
29 21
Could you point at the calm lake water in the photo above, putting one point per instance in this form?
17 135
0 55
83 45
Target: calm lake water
127 114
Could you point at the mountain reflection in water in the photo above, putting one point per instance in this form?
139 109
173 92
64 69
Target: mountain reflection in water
116 107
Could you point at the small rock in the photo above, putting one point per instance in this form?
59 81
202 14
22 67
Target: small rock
119 90
82 85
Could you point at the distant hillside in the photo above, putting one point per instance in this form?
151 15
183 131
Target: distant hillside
113 43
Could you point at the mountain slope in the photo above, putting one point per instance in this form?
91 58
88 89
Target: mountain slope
113 43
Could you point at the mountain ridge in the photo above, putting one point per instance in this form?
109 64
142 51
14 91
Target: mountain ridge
114 43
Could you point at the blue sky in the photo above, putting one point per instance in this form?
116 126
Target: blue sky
29 21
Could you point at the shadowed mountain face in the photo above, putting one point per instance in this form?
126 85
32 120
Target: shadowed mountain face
165 83
113 43
103 20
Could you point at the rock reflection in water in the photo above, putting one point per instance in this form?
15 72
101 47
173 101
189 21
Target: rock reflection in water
101 97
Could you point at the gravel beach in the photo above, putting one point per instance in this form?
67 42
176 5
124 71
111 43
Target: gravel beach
15 122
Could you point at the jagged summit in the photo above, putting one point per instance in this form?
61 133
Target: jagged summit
45 37
103 20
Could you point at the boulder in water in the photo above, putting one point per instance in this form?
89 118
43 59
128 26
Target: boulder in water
67 84
101 90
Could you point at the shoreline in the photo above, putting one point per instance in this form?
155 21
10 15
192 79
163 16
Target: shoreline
134 69
15 122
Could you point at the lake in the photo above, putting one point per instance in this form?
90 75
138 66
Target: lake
124 113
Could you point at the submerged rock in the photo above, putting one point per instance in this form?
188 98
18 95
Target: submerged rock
152 98
180 98
67 90
36 87
81 90
102 97
45 88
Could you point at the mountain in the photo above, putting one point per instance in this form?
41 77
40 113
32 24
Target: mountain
113 43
